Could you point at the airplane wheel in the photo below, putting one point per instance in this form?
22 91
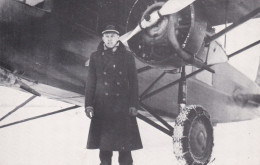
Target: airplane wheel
193 136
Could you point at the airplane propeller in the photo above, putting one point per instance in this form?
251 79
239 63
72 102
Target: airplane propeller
170 7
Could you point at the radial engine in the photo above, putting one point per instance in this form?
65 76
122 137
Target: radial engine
176 40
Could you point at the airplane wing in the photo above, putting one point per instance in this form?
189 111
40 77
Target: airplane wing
222 11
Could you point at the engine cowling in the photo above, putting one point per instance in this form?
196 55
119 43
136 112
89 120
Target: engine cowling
163 45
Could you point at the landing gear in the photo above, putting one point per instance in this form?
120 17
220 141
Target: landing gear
193 131
193 136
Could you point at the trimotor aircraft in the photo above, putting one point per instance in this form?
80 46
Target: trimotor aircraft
182 70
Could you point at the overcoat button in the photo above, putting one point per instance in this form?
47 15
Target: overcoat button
106 94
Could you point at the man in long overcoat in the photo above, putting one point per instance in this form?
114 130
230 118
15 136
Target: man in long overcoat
111 100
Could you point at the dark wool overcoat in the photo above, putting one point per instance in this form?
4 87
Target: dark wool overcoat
111 89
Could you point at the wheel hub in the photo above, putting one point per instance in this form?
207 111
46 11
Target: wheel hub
198 138
201 138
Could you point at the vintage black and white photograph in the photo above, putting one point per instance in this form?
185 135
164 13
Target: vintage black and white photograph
129 82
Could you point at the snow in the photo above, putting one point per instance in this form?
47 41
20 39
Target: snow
61 139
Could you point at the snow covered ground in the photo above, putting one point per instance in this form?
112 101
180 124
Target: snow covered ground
61 139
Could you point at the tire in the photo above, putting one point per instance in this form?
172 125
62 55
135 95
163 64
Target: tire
193 136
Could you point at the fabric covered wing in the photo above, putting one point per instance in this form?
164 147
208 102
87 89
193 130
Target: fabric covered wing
218 11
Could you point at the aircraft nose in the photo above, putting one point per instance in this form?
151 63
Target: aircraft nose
158 30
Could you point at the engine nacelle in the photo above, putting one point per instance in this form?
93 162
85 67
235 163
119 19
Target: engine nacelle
162 45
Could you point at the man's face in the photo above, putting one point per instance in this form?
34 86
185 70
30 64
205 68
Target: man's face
110 39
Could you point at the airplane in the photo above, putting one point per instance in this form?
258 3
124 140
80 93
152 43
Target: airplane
183 72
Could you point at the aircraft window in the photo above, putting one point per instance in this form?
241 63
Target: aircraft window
204 76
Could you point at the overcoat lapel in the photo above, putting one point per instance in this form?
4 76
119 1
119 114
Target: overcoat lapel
107 60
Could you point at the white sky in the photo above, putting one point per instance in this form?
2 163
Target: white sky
246 62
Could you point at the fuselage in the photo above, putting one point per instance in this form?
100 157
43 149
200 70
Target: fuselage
48 51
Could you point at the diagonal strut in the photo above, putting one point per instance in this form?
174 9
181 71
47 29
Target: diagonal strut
18 107
39 116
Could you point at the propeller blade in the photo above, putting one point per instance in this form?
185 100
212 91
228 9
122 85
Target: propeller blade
124 38
170 7
173 6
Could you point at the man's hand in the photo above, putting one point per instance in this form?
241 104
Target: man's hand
133 111
89 112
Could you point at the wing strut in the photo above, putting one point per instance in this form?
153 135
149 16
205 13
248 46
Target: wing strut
151 111
152 123
39 116
154 92
234 25
18 107
152 85
244 49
